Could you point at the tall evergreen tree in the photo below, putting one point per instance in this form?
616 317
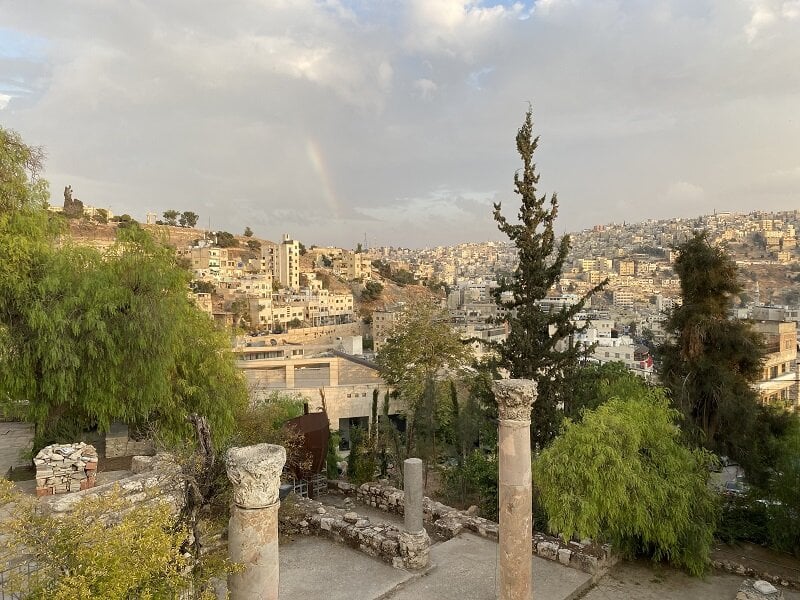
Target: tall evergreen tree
712 359
539 344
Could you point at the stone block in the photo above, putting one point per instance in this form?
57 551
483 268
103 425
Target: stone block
548 550
758 590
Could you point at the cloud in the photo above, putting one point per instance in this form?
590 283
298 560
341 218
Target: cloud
331 117
767 13
425 87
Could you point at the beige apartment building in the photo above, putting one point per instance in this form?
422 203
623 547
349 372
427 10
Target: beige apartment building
352 265
624 298
316 310
382 323
206 261
780 381
626 267
313 372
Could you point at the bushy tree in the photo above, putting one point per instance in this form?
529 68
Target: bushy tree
784 493
422 351
171 217
592 385
21 186
188 218
248 232
622 475
539 344
104 548
89 337
372 291
226 239
711 360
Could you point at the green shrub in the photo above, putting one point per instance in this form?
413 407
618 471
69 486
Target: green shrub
622 475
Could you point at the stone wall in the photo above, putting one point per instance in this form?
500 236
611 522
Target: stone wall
382 540
16 439
119 443
154 479
739 569
62 468
448 522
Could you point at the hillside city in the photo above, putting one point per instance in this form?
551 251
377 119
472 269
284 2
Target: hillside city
318 306
341 357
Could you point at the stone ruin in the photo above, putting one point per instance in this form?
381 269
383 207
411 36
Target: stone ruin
62 468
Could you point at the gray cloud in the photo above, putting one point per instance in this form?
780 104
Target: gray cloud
332 119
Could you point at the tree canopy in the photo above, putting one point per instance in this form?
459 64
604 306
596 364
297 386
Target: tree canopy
712 360
622 475
89 337
538 345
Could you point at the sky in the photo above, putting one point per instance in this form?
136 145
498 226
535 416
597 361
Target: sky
333 120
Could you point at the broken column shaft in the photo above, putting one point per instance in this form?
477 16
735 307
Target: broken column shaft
514 400
253 527
412 488
414 541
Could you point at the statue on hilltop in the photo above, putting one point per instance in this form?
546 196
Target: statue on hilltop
73 208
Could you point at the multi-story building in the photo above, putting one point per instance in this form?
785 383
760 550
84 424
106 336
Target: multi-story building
780 381
353 265
342 383
382 323
206 261
288 263
623 298
626 267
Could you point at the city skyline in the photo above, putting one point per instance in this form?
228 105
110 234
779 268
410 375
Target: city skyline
329 119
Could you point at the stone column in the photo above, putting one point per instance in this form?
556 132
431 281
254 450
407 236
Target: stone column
414 541
253 527
412 488
514 400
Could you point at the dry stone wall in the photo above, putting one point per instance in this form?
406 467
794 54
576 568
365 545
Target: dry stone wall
119 443
382 540
62 468
448 522
154 479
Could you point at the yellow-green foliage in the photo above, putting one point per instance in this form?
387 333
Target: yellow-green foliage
105 548
622 475
90 337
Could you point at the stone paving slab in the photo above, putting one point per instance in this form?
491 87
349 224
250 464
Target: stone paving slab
313 567
465 568
640 580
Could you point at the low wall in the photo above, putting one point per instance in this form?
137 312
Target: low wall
736 568
382 540
153 479
15 440
119 443
448 522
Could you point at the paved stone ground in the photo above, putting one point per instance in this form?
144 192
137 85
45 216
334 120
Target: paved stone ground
463 568
313 567
643 581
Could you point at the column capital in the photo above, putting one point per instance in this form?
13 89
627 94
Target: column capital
255 472
514 398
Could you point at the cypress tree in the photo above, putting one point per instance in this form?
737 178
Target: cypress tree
712 360
539 344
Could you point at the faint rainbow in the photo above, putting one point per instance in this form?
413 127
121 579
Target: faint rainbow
318 163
